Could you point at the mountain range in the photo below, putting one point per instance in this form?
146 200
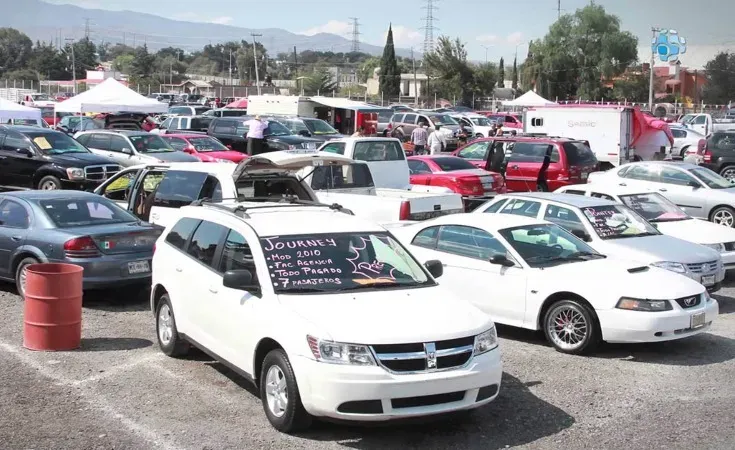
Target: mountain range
54 23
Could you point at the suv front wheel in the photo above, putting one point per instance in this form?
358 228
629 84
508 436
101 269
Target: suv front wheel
49 183
280 394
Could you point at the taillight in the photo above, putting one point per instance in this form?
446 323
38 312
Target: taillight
81 247
701 146
405 212
468 186
390 126
707 156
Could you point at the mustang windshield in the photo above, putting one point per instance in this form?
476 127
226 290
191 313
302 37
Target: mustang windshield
546 244
340 262
150 144
654 207
617 222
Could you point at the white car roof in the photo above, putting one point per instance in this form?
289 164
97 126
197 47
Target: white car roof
492 222
604 188
216 168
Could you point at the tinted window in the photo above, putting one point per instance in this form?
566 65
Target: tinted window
66 212
203 245
341 177
573 192
476 150
13 215
236 254
522 208
181 232
579 154
224 127
528 152
640 173
426 238
201 110
14 142
448 164
495 207
200 123
334 147
397 118
378 151
179 188
117 143
416 167
564 217
99 141
409 118
83 139
673 176
722 141
469 242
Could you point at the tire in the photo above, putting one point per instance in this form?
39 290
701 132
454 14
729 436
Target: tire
20 276
398 134
166 332
49 183
723 215
571 311
683 152
292 416
728 172
479 136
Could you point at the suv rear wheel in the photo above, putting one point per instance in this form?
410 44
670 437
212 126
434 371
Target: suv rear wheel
168 335
728 172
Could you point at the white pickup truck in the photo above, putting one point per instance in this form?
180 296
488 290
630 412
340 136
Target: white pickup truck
155 192
705 124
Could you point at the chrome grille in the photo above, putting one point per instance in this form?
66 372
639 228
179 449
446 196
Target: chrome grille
425 356
705 267
689 302
100 173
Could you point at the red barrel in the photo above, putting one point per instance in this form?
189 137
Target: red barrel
53 307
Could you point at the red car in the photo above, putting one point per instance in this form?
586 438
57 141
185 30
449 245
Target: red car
571 160
506 120
206 148
475 185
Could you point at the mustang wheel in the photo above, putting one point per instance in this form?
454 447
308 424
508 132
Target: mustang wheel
280 394
571 327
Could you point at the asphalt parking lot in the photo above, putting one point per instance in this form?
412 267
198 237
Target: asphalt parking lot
119 391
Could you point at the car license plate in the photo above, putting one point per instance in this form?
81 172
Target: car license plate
697 320
138 267
585 175
708 280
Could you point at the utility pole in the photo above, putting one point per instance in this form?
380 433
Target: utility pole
654 30
255 59
429 27
230 67
558 9
415 83
73 65
486 47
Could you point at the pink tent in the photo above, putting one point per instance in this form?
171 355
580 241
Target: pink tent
238 104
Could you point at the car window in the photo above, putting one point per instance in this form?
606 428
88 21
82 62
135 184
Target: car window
577 153
397 118
236 254
722 141
469 242
83 139
426 238
409 118
177 143
700 120
417 167
640 173
118 143
99 141
224 127
334 147
545 244
564 217
179 188
522 208
476 150
378 151
677 133
356 175
14 142
68 212
13 215
605 196
166 123
673 176
530 152
495 207
203 245
181 232
573 192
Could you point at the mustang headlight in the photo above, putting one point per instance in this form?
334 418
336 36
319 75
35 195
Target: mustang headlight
634 304
340 353
719 247
670 265
484 342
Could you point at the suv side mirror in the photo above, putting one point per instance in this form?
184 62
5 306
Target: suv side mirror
304 133
501 260
435 268
582 235
241 280
24 151
694 184
127 151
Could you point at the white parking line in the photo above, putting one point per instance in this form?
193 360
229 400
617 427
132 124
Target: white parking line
93 398
119 368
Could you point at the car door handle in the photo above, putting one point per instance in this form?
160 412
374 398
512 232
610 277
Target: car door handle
514 167
662 189
179 269
213 290
16 238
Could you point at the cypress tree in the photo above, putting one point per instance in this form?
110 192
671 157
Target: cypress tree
390 74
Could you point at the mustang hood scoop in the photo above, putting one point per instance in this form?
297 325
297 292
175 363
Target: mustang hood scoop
638 269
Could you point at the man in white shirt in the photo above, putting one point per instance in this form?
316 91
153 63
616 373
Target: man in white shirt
256 128
418 138
437 141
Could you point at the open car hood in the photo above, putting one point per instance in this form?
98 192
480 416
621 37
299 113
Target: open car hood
287 161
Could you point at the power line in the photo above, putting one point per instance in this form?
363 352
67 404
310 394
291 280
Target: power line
355 35
429 27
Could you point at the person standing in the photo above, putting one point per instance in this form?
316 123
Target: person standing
419 137
359 133
437 141
256 128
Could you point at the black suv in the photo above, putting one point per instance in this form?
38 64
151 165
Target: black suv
231 131
37 158
309 127
719 154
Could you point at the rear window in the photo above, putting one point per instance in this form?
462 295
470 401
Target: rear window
448 164
201 110
378 151
532 152
578 154
224 127
200 123
341 177
180 188
67 212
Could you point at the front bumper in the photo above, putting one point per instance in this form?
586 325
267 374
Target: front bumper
619 325
80 185
703 279
110 270
373 394
728 260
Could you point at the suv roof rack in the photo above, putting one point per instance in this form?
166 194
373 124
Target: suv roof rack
241 210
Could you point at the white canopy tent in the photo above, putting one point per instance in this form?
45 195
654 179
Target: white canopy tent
14 111
530 98
111 96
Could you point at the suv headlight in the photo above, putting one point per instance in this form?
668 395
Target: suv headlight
634 304
719 247
670 265
75 173
484 342
340 353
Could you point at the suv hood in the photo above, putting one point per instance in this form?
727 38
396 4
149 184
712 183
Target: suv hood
287 161
649 249
298 141
398 316
80 159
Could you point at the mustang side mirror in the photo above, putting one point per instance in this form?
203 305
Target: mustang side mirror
582 235
435 268
693 184
501 260
241 280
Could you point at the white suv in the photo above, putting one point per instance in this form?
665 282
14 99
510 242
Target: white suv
325 312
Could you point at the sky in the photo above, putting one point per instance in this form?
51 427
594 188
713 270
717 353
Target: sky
490 28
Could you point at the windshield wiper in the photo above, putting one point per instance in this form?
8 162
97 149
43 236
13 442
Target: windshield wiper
378 285
583 255
302 290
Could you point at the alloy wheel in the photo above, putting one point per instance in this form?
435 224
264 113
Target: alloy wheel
22 280
729 173
567 327
724 217
165 325
48 186
276 391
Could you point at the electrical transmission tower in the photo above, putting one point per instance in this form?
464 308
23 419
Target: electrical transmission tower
86 27
429 27
355 35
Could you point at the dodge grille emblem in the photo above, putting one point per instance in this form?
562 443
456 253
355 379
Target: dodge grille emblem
430 350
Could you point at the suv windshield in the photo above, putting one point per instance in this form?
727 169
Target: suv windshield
547 244
617 222
654 207
207 144
275 129
711 179
578 154
56 143
150 144
340 262
442 119
315 126
449 164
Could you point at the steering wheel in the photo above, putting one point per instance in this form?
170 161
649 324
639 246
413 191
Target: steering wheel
558 248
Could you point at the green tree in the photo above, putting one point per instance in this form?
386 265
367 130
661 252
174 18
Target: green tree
84 56
485 78
579 51
117 50
515 73
321 81
632 86
123 63
720 87
49 62
201 65
501 73
451 75
390 74
170 69
15 50
143 66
